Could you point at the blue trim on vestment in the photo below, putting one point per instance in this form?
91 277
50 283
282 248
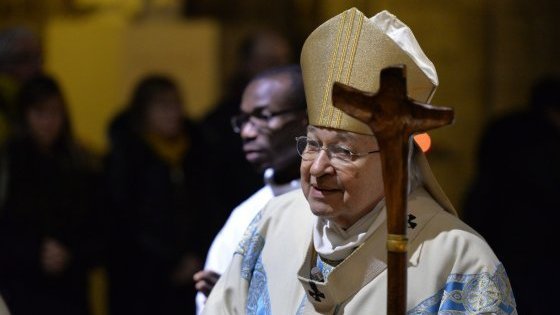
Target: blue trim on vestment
252 269
250 248
251 256
301 307
248 234
324 267
471 294
258 299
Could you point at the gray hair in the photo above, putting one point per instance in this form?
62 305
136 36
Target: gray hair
415 178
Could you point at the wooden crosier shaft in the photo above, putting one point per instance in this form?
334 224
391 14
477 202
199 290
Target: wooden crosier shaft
395 199
393 118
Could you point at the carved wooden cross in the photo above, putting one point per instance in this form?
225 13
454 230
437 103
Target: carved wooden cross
394 118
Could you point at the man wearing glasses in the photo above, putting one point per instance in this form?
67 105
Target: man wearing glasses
322 249
272 114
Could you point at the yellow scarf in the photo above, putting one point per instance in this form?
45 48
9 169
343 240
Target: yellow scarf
171 151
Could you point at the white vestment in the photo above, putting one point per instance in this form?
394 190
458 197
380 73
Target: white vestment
451 269
225 243
3 308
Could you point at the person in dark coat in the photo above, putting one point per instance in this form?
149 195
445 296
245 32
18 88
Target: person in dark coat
47 239
514 202
155 174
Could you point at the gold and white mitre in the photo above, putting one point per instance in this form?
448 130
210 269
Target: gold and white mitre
353 49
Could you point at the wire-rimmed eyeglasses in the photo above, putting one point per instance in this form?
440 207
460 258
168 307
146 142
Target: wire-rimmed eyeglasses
309 149
259 117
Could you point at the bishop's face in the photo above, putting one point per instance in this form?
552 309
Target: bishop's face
342 191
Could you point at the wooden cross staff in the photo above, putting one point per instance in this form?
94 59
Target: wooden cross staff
394 118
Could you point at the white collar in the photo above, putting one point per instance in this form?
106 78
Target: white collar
334 243
279 189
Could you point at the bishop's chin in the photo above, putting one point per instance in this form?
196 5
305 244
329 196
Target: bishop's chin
320 208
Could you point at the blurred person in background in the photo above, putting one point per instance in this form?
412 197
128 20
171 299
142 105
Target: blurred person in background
21 58
259 51
48 183
516 189
272 115
156 190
